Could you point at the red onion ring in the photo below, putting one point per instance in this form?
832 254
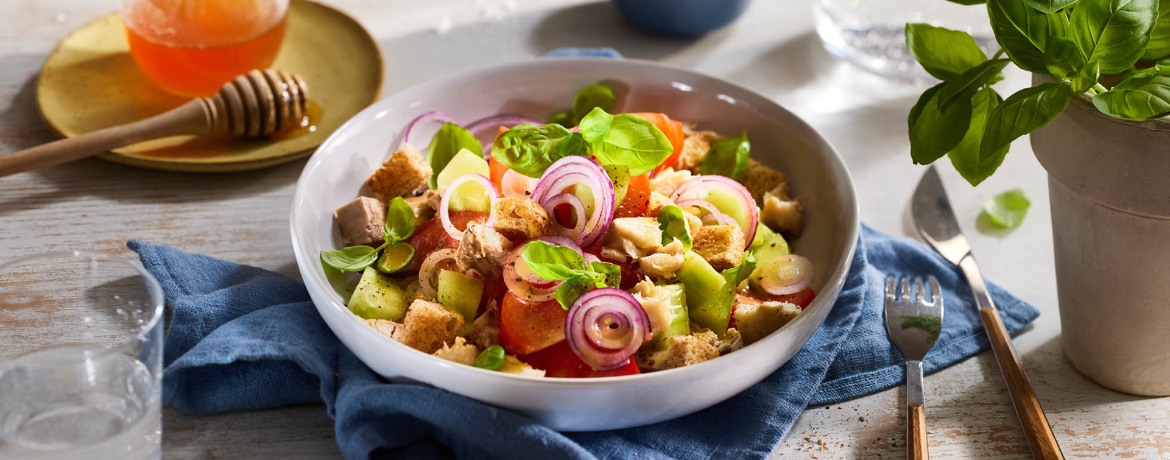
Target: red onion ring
697 188
434 115
574 170
430 269
578 209
444 213
523 282
606 326
712 212
491 125
787 274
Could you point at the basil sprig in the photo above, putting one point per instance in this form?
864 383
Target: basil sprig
588 98
728 157
558 263
491 358
674 226
400 224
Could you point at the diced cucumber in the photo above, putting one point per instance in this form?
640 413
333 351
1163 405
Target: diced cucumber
469 196
460 292
763 233
680 322
395 257
774 247
707 296
378 297
727 203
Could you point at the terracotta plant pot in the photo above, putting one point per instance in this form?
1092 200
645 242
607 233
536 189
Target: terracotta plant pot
1109 182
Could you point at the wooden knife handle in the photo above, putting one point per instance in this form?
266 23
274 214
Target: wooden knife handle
916 432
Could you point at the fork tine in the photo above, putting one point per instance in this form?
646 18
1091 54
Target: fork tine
905 289
921 296
889 289
936 297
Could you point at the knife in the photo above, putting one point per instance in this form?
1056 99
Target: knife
936 223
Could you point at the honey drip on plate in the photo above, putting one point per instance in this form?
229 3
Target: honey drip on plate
307 124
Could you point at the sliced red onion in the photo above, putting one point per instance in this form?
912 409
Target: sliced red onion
713 213
591 258
434 115
697 188
578 209
429 271
787 274
561 241
489 126
605 327
528 285
444 213
574 170
516 185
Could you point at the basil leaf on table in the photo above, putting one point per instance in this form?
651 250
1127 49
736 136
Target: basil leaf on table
591 97
1141 95
1022 31
531 149
552 262
1021 113
944 53
728 157
1049 6
965 85
449 140
351 259
934 133
674 226
965 156
400 221
1113 33
1007 209
491 358
1159 46
625 139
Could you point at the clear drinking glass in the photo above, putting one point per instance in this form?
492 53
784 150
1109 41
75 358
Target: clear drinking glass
81 340
871 33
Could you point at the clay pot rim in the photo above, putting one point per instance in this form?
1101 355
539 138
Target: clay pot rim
1084 101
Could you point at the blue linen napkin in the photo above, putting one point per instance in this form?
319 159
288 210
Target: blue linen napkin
245 338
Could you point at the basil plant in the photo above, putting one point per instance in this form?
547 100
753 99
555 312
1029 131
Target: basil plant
1116 51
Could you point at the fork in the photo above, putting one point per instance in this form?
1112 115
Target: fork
914 323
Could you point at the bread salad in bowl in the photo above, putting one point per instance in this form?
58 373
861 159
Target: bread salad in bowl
597 244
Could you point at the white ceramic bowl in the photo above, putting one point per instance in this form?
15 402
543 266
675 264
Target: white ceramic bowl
539 88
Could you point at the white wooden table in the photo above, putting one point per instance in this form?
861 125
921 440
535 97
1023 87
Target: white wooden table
243 217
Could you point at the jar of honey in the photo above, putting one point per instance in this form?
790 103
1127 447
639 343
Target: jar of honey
192 47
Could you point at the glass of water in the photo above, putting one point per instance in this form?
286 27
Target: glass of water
80 359
871 33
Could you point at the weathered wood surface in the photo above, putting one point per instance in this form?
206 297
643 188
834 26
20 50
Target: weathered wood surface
95 205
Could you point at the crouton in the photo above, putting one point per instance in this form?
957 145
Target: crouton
635 237
520 219
482 249
361 222
664 263
682 350
760 179
428 326
696 144
425 205
385 327
657 202
486 329
515 366
668 180
720 245
782 216
731 341
756 321
401 174
460 352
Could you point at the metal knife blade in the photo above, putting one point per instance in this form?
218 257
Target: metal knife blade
935 219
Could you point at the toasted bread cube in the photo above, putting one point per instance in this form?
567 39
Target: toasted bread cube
460 352
428 326
782 216
731 341
520 218
425 205
720 245
682 350
636 237
402 173
760 179
361 221
483 249
756 321
696 144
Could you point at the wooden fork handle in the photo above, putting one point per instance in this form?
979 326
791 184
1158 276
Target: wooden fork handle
1036 428
194 117
916 446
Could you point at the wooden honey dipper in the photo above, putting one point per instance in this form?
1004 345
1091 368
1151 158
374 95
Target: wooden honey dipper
252 105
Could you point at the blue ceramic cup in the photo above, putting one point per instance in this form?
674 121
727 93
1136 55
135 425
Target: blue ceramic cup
684 18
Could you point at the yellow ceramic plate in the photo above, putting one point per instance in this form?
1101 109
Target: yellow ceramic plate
90 82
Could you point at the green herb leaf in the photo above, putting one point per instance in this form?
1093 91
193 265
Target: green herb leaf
1085 77
1021 113
552 262
400 221
1159 46
1141 95
491 358
933 133
944 53
919 106
592 97
611 274
564 119
1049 6
1113 33
351 259
965 156
674 226
625 139
1062 55
572 288
728 157
963 86
448 141
619 176
1022 31
967 2
736 275
531 149
929 323
1007 209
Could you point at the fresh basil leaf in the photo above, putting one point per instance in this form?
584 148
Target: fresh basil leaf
1159 46
552 262
728 157
963 86
1021 113
610 274
400 221
674 226
572 288
625 139
1141 95
1113 33
1022 31
351 259
1062 55
933 133
965 156
944 53
592 97
1007 209
448 141
736 275
1085 77
919 106
531 149
491 358
619 176
967 2
1049 6
564 119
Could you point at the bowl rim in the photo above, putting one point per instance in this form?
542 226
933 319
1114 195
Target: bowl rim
835 279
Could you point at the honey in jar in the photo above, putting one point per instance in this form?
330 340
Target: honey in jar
192 47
